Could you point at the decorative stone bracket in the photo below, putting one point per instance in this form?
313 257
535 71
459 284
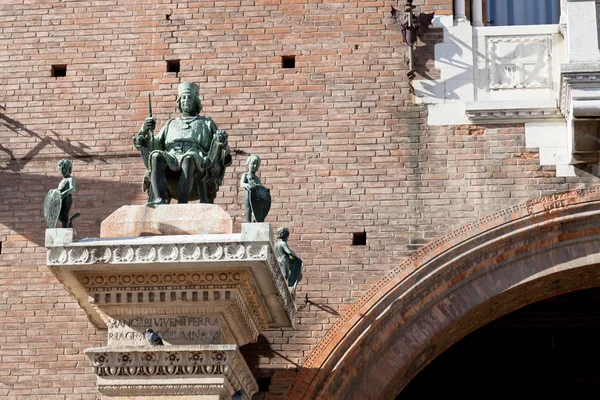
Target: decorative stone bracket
142 276
580 104
203 294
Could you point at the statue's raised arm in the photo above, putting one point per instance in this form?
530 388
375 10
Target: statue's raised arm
188 157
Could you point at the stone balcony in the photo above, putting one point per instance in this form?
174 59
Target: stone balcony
179 270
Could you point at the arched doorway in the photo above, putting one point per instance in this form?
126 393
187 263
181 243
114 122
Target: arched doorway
545 349
450 288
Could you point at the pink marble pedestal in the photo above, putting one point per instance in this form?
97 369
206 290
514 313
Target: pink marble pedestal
171 219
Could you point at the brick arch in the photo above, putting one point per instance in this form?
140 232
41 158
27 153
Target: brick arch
451 287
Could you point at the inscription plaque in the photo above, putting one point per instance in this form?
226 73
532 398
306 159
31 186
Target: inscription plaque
202 329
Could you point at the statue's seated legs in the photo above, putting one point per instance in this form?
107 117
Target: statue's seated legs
186 180
186 184
158 181
201 184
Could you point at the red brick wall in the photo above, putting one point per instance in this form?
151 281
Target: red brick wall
343 149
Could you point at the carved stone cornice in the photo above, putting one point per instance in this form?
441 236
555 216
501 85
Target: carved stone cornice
174 274
164 390
231 294
139 251
171 370
584 76
505 112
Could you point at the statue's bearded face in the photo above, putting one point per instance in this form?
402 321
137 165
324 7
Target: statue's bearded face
188 103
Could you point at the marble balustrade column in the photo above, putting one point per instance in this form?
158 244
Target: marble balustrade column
476 13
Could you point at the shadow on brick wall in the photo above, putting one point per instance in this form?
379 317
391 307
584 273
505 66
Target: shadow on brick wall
22 203
26 179
274 370
71 148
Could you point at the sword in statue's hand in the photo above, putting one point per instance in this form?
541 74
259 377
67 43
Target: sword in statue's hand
148 136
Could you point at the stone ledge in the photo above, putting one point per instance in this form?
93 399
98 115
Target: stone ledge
210 370
121 258
171 219
512 111
60 236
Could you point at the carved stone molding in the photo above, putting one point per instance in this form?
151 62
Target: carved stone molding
507 112
135 279
189 274
105 252
167 370
577 78
580 104
519 62
164 390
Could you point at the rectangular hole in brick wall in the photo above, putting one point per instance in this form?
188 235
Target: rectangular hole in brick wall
173 66
263 383
59 70
1 247
288 62
359 239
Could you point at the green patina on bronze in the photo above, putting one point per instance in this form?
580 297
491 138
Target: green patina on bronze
186 160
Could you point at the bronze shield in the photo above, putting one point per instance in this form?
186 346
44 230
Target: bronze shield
52 205
260 200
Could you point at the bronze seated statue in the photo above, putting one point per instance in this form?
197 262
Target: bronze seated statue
188 157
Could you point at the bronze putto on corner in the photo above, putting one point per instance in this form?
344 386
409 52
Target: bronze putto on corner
58 202
289 261
257 198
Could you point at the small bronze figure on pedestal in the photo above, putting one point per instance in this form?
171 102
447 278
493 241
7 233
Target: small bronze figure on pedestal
257 198
58 202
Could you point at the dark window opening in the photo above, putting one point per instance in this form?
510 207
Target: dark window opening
173 66
355 47
263 383
168 17
518 12
0 247
288 62
58 71
359 239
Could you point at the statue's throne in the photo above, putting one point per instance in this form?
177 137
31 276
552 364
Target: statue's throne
206 182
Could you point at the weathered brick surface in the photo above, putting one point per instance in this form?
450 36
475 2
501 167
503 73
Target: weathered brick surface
344 150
